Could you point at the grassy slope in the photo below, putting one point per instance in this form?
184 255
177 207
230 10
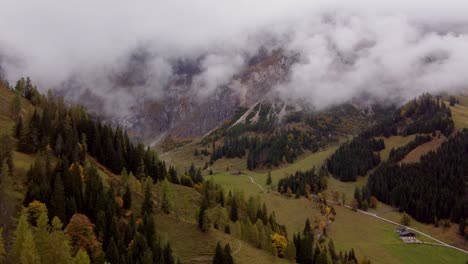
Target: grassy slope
13 188
421 150
368 236
460 113
194 246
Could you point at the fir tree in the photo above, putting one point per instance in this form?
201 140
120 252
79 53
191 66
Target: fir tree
127 198
219 255
2 247
112 253
227 257
269 180
24 249
81 258
234 214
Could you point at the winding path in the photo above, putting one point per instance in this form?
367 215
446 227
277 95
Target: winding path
259 186
441 243
240 247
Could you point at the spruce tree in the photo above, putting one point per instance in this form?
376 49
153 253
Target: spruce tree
112 253
2 247
81 257
165 203
269 180
127 199
234 214
219 256
227 255
57 200
167 254
24 249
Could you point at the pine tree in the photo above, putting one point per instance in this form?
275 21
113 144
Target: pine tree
57 200
2 247
234 214
227 255
29 253
15 107
24 249
81 258
405 219
218 257
112 253
202 215
307 228
165 204
269 180
59 244
147 206
167 254
127 199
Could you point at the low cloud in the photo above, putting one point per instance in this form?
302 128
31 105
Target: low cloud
124 53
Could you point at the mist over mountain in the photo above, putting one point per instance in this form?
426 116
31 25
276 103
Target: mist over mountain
167 61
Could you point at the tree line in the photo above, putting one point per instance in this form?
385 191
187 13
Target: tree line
398 154
355 158
422 115
304 183
71 133
248 220
64 185
431 189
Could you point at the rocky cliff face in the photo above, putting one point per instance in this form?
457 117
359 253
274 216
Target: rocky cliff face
181 113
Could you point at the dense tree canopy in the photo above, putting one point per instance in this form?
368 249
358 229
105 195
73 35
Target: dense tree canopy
433 188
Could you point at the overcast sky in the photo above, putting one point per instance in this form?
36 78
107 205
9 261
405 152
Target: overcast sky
383 48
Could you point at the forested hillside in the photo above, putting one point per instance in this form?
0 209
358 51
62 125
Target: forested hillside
426 114
72 213
434 188
268 136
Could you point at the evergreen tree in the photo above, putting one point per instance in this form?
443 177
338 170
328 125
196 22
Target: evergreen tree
219 255
234 213
165 205
307 228
81 258
2 247
15 107
24 249
147 206
57 200
227 255
202 222
269 180
167 254
112 253
127 198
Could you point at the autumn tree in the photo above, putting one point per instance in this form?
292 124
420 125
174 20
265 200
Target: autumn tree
405 219
81 257
81 231
24 249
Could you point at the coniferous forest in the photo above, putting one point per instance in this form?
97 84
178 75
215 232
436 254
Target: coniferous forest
355 158
431 189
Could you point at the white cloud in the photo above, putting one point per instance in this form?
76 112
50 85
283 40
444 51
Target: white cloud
385 48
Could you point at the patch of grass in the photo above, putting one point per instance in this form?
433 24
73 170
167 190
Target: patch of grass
416 154
376 239
394 142
448 235
460 116
194 246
